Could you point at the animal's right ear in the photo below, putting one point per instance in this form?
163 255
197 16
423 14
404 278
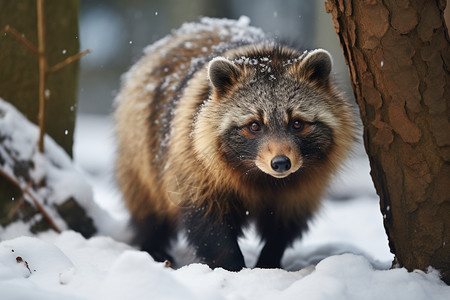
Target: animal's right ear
316 66
223 74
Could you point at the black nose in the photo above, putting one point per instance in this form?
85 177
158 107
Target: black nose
280 164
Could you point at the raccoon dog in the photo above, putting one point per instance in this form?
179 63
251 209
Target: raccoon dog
217 126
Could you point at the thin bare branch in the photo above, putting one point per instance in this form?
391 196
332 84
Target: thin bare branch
42 71
68 61
21 38
33 198
19 202
44 212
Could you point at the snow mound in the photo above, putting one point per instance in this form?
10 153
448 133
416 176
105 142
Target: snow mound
50 178
72 267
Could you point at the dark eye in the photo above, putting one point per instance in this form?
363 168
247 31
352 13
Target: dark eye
254 127
298 125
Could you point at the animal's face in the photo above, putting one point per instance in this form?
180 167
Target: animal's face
273 122
273 127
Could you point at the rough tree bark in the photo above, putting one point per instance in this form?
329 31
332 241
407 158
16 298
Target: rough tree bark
399 61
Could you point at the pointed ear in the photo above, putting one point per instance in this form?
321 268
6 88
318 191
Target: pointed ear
223 74
316 66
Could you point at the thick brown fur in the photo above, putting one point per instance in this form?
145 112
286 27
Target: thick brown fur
188 157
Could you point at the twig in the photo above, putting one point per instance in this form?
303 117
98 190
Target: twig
16 207
43 212
19 202
35 201
20 260
68 61
42 71
21 38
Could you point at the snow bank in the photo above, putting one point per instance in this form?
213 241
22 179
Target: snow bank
72 267
19 144
22 161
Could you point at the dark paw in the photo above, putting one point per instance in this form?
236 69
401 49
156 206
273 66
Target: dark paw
161 256
265 263
233 267
229 265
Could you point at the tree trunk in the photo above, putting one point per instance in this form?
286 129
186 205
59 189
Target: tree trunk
19 81
398 56
19 66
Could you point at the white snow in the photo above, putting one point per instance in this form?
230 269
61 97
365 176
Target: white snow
344 256
71 267
63 180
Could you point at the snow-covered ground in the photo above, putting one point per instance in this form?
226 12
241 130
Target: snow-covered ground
344 256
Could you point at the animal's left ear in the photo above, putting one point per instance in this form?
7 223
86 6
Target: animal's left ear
316 66
223 74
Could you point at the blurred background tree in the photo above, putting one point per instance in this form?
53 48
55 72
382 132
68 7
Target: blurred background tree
19 75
